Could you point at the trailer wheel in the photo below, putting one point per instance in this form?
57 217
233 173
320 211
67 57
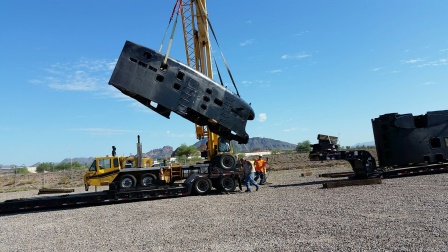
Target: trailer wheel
147 179
127 181
227 162
202 186
226 184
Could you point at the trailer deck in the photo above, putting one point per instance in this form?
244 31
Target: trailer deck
92 198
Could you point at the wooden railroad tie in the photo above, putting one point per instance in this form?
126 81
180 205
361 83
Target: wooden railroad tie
54 190
334 184
336 174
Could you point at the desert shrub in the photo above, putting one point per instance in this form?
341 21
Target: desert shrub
26 182
10 181
275 151
64 180
21 170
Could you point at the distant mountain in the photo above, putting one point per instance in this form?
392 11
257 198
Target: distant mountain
254 144
261 143
371 143
164 152
81 160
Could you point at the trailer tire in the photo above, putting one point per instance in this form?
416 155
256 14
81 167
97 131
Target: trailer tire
127 181
202 186
226 184
147 179
227 162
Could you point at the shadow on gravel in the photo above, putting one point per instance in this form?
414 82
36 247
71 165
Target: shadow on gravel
307 183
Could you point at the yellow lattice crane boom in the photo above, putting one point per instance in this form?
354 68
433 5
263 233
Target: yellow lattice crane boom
198 50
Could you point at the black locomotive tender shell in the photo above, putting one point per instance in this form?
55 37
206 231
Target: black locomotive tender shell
406 139
140 74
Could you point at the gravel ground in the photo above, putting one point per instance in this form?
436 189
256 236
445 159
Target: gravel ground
293 213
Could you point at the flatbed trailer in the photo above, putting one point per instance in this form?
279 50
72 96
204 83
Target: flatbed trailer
364 165
195 184
412 170
92 198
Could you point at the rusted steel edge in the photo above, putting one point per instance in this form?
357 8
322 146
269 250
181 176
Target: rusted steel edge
356 182
336 174
55 190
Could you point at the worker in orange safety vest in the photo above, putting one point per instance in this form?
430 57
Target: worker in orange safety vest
260 169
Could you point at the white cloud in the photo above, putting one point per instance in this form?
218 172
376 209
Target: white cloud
258 83
246 83
275 71
440 62
412 61
296 56
247 42
84 75
428 83
294 129
262 117
179 135
376 69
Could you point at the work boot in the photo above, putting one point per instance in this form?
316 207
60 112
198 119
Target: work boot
257 188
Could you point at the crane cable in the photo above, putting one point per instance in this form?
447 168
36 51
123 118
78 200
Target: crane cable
169 23
219 73
222 55
172 36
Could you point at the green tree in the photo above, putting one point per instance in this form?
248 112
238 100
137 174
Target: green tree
187 151
67 166
304 146
45 166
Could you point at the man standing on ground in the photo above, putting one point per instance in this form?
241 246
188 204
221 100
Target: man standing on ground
249 170
260 170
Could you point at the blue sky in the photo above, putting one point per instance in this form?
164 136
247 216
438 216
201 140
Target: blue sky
307 67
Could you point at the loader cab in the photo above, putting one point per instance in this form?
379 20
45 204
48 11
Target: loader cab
101 164
102 171
224 145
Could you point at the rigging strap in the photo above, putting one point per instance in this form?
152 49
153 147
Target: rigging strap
172 35
222 55
169 22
